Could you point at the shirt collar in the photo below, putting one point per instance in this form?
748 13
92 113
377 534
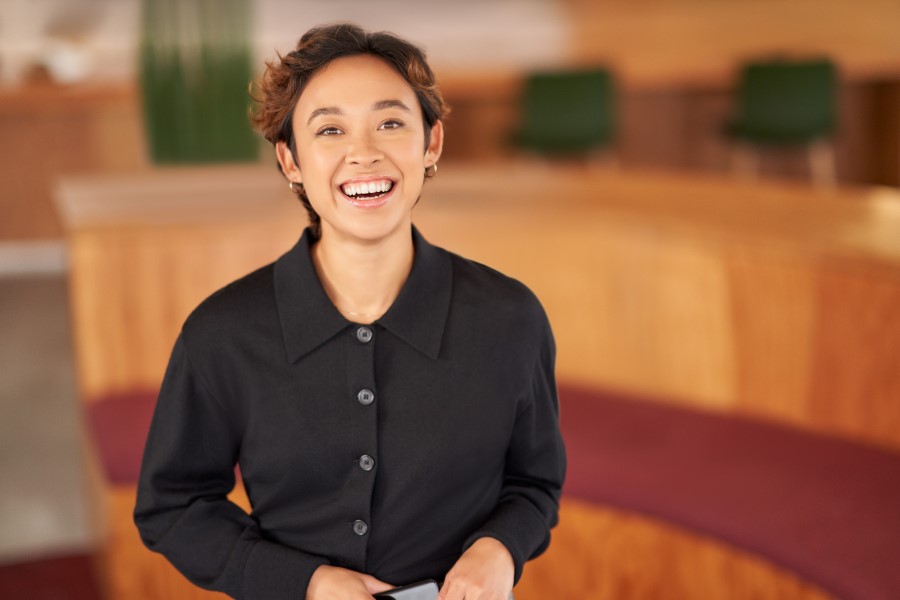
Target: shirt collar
417 316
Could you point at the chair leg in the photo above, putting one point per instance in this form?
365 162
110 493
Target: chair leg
821 164
744 162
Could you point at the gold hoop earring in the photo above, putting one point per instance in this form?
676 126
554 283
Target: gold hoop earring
291 185
433 171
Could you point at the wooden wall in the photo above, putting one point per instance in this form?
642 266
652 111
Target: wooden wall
47 132
598 553
661 43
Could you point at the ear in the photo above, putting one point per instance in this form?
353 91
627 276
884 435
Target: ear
290 169
435 144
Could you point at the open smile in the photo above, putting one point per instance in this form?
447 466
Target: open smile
368 192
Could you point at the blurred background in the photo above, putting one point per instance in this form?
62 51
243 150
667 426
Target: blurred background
703 194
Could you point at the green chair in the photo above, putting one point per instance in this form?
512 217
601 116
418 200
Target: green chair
787 104
566 113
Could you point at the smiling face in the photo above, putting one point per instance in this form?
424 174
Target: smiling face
360 141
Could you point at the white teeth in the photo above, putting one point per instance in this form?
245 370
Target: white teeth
370 187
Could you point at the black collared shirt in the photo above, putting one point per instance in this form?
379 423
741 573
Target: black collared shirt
386 448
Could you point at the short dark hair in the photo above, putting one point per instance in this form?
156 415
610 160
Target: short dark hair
277 91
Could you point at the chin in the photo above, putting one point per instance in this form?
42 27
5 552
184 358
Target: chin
372 229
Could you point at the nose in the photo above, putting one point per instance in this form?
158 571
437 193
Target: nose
363 150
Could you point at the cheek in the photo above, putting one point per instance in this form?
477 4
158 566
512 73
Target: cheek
317 172
317 166
409 150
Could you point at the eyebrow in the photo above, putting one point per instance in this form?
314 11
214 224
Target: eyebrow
326 110
380 105
385 104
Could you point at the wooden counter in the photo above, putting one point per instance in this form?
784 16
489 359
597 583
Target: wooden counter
770 300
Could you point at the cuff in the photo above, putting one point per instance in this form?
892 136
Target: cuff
520 528
277 572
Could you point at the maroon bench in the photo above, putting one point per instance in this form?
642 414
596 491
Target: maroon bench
119 425
825 508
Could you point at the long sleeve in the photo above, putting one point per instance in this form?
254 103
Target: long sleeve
182 510
535 468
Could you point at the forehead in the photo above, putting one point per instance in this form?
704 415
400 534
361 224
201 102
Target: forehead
355 82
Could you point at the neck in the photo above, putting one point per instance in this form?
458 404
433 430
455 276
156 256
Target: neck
363 278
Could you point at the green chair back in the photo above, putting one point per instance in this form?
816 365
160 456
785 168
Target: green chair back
785 103
567 112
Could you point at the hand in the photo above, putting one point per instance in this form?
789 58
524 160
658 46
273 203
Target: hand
484 572
335 583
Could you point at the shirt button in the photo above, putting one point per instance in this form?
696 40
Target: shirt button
366 462
360 527
364 334
365 397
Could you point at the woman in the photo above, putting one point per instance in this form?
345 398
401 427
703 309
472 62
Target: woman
392 406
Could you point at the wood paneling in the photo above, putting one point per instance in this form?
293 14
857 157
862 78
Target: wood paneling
857 349
660 43
771 300
127 569
684 128
598 553
49 131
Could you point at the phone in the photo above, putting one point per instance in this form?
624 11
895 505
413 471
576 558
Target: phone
421 590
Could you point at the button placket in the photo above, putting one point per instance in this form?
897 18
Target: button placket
364 440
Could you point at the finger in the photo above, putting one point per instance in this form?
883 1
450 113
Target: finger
373 585
449 591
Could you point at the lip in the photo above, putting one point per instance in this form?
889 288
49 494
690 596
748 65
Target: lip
367 204
363 178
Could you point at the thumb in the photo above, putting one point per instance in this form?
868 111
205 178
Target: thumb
375 586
